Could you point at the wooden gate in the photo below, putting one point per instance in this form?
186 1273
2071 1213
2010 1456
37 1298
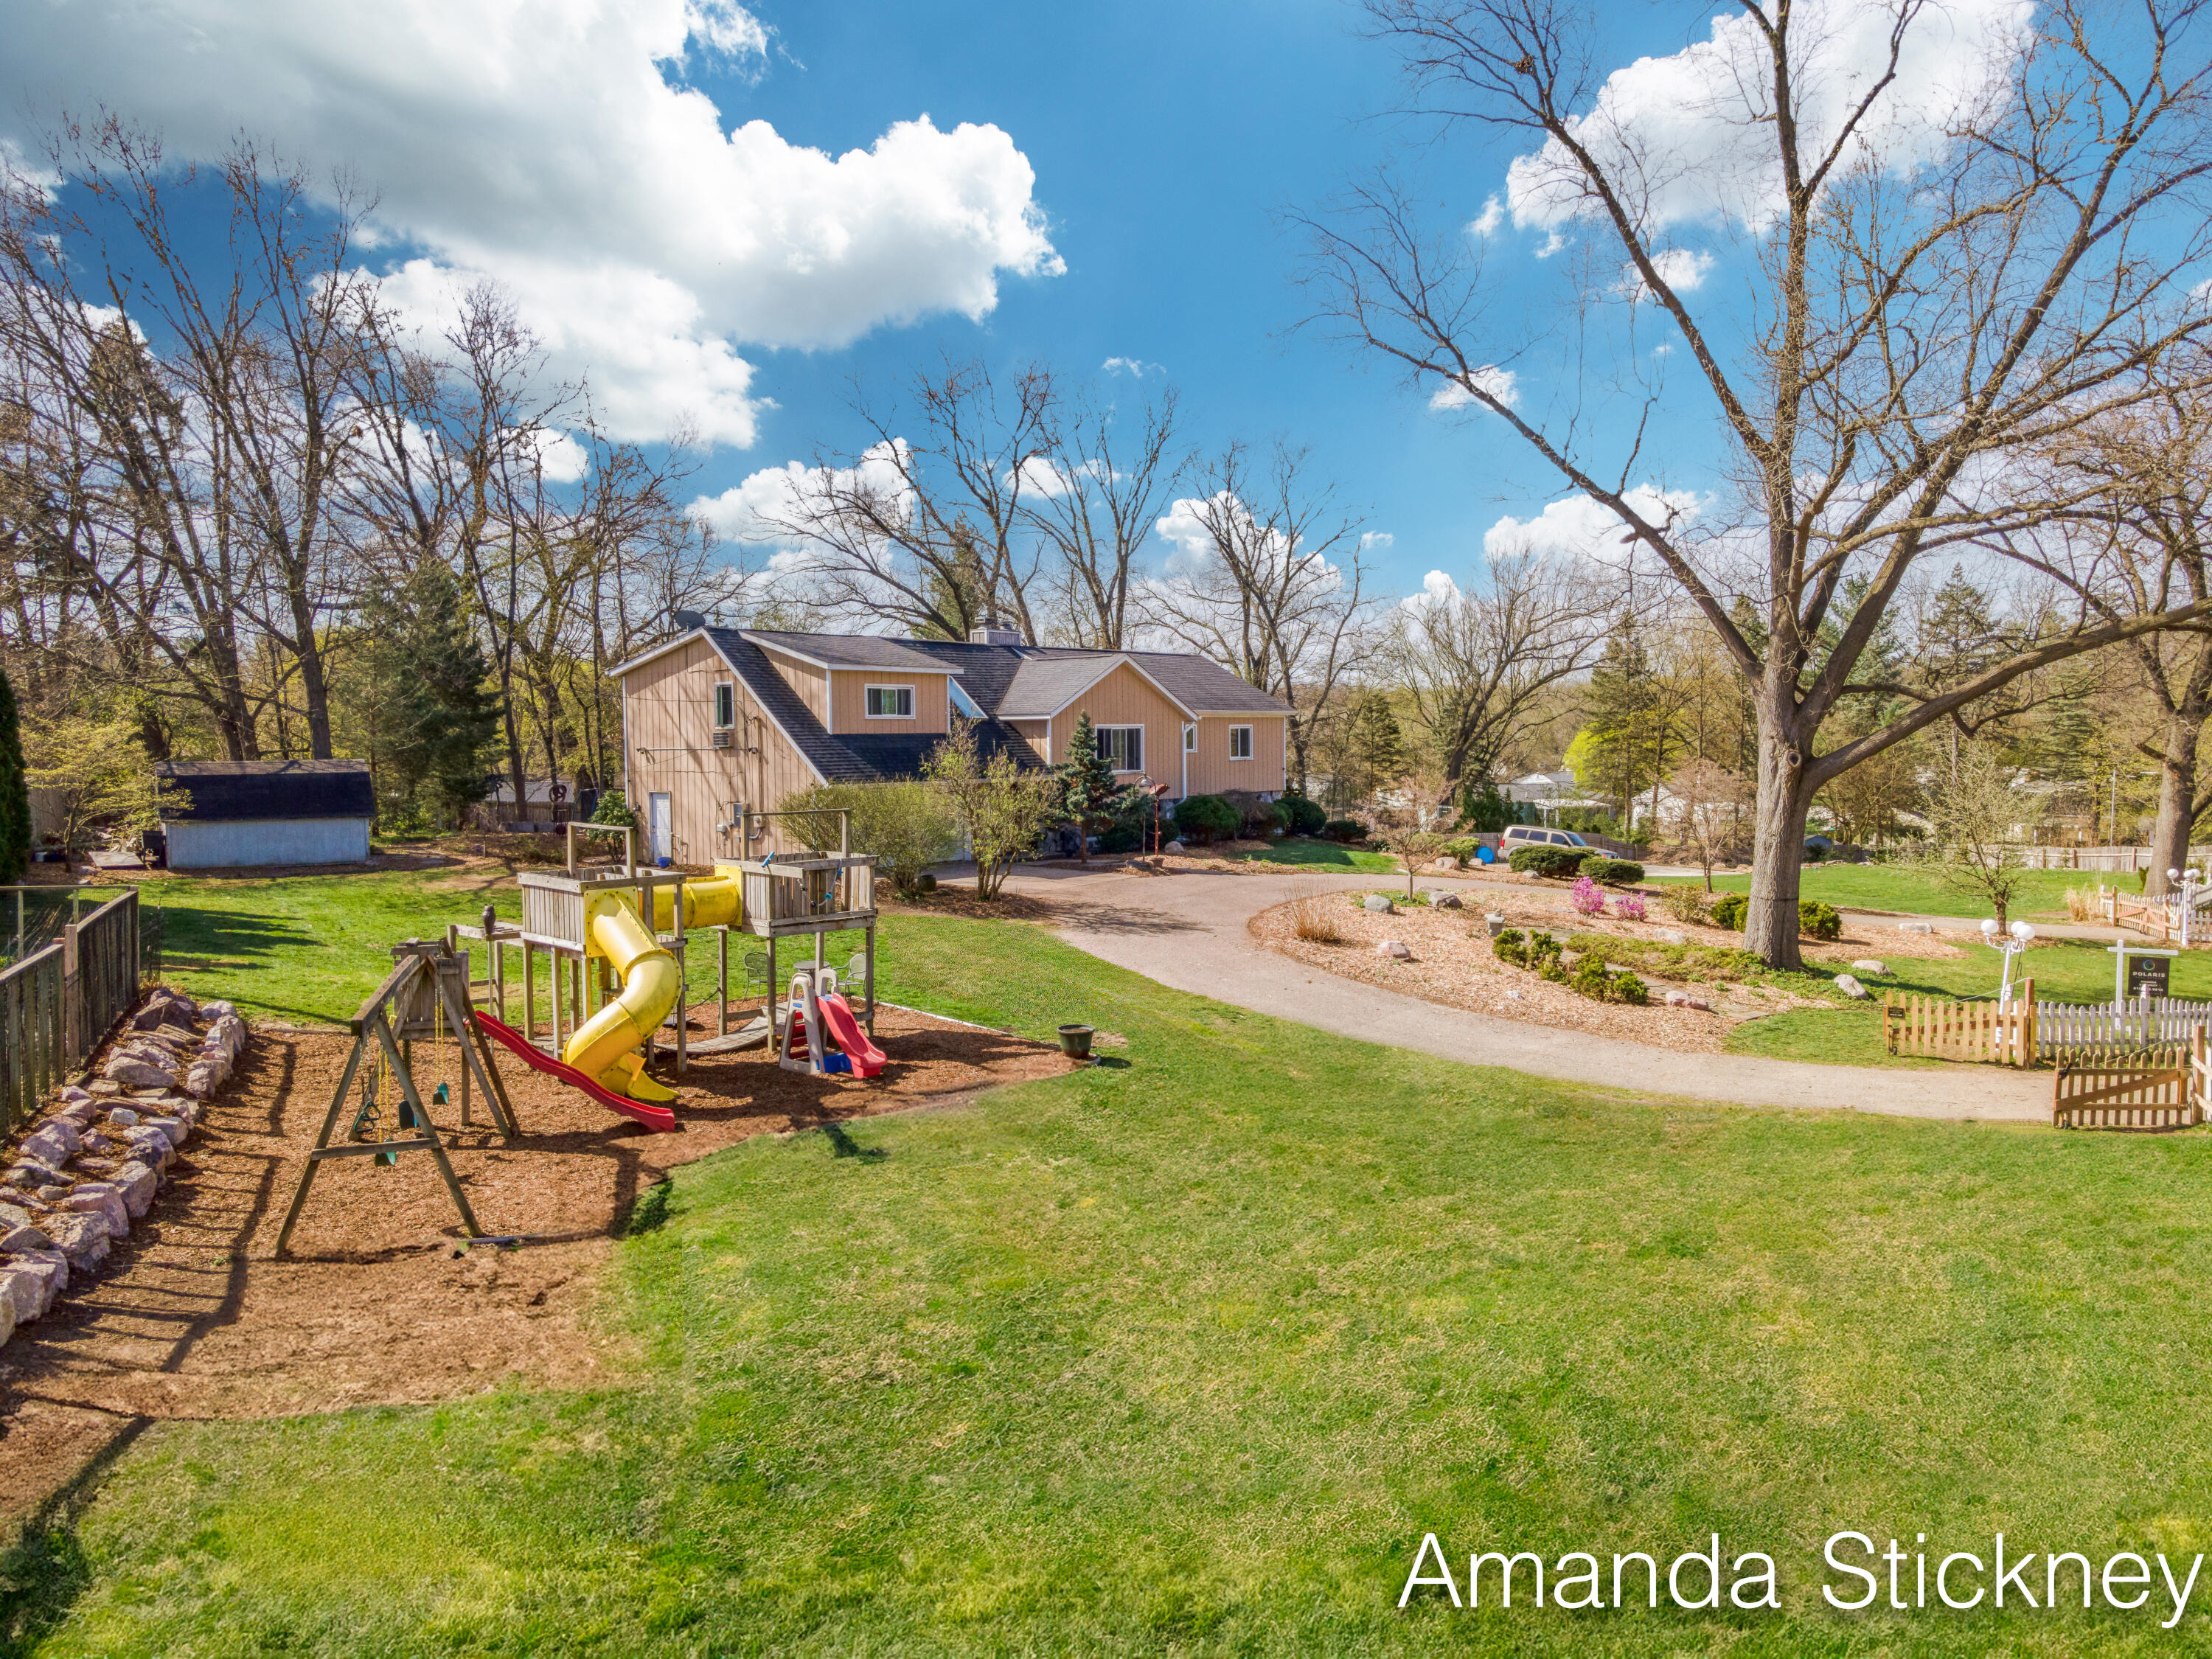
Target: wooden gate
1943 1029
2157 1089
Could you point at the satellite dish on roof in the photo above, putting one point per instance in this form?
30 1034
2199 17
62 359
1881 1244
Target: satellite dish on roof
688 620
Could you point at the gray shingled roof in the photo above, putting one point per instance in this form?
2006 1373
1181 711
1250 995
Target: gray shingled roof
861 757
850 650
1201 683
1043 685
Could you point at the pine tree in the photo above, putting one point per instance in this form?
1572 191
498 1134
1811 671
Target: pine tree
434 712
14 789
1087 776
1622 705
1374 743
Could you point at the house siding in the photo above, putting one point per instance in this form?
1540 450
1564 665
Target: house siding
1212 771
848 700
668 711
1124 697
811 684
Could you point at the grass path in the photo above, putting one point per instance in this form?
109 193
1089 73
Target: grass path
1183 1355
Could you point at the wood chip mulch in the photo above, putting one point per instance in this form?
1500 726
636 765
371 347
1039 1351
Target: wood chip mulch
376 1303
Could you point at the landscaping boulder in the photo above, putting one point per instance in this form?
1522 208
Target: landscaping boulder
30 1174
1172 846
134 1071
29 1283
1442 898
103 1199
51 1143
1868 965
135 1183
1443 868
1671 936
1395 949
123 1117
1915 927
81 1238
173 1129
1851 988
1380 903
21 1239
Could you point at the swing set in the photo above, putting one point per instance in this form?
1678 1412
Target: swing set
426 996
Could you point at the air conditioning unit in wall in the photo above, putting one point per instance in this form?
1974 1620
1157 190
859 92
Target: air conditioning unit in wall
722 739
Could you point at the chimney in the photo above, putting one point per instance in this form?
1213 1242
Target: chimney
994 632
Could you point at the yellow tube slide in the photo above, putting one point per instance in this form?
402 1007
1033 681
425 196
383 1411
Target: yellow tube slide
611 1046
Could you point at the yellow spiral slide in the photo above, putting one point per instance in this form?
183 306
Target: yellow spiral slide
610 1047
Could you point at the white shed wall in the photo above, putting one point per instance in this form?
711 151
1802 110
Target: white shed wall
267 840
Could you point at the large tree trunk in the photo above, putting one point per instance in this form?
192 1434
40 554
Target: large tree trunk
1778 832
2177 798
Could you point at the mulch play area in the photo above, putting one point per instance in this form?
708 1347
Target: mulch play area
375 1303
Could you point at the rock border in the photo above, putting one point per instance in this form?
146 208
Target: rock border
80 1177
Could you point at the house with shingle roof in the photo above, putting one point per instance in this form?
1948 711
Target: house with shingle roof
718 721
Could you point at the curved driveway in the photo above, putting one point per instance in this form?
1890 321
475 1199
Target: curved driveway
1189 930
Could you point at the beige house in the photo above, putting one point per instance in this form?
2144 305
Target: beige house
721 721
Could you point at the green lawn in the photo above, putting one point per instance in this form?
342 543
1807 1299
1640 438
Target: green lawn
1182 1355
2064 970
1298 852
1916 891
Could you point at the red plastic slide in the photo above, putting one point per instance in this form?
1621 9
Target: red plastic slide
837 1020
658 1118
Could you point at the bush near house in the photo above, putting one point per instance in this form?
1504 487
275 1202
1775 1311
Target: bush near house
1613 872
1256 818
1560 863
1205 818
1301 816
1344 829
1729 909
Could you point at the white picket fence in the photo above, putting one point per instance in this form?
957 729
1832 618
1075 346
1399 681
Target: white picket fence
2142 1023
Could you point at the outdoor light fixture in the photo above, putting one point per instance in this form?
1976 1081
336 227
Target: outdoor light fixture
2020 936
2189 882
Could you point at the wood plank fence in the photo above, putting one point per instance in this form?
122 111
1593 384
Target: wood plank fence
58 1004
2156 1089
1941 1029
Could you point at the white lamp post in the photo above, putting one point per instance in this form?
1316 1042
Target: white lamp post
2020 935
2189 882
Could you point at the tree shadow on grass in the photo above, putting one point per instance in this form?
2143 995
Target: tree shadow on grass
44 1571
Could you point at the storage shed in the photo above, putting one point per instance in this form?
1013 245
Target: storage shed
265 812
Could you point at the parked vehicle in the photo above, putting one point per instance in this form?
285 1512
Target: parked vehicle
1534 835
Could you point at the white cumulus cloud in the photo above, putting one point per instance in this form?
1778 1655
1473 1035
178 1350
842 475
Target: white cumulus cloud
1582 527
1685 138
1502 384
1684 269
554 147
757 510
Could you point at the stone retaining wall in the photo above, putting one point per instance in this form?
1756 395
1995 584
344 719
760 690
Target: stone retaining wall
86 1170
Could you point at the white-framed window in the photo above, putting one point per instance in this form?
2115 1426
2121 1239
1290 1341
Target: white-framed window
726 705
1122 746
1190 740
1240 742
890 702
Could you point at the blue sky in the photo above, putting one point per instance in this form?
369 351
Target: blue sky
734 207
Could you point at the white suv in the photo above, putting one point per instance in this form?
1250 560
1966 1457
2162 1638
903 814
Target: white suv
1531 834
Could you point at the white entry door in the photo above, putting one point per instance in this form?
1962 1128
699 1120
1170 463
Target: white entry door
657 829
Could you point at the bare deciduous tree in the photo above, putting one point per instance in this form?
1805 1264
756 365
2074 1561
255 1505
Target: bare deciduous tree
1097 513
1279 590
1476 661
931 527
1933 290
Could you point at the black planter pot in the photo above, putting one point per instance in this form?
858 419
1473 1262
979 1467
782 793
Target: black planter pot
1075 1041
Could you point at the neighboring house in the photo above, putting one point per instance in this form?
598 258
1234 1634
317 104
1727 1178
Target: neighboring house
719 719
264 812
